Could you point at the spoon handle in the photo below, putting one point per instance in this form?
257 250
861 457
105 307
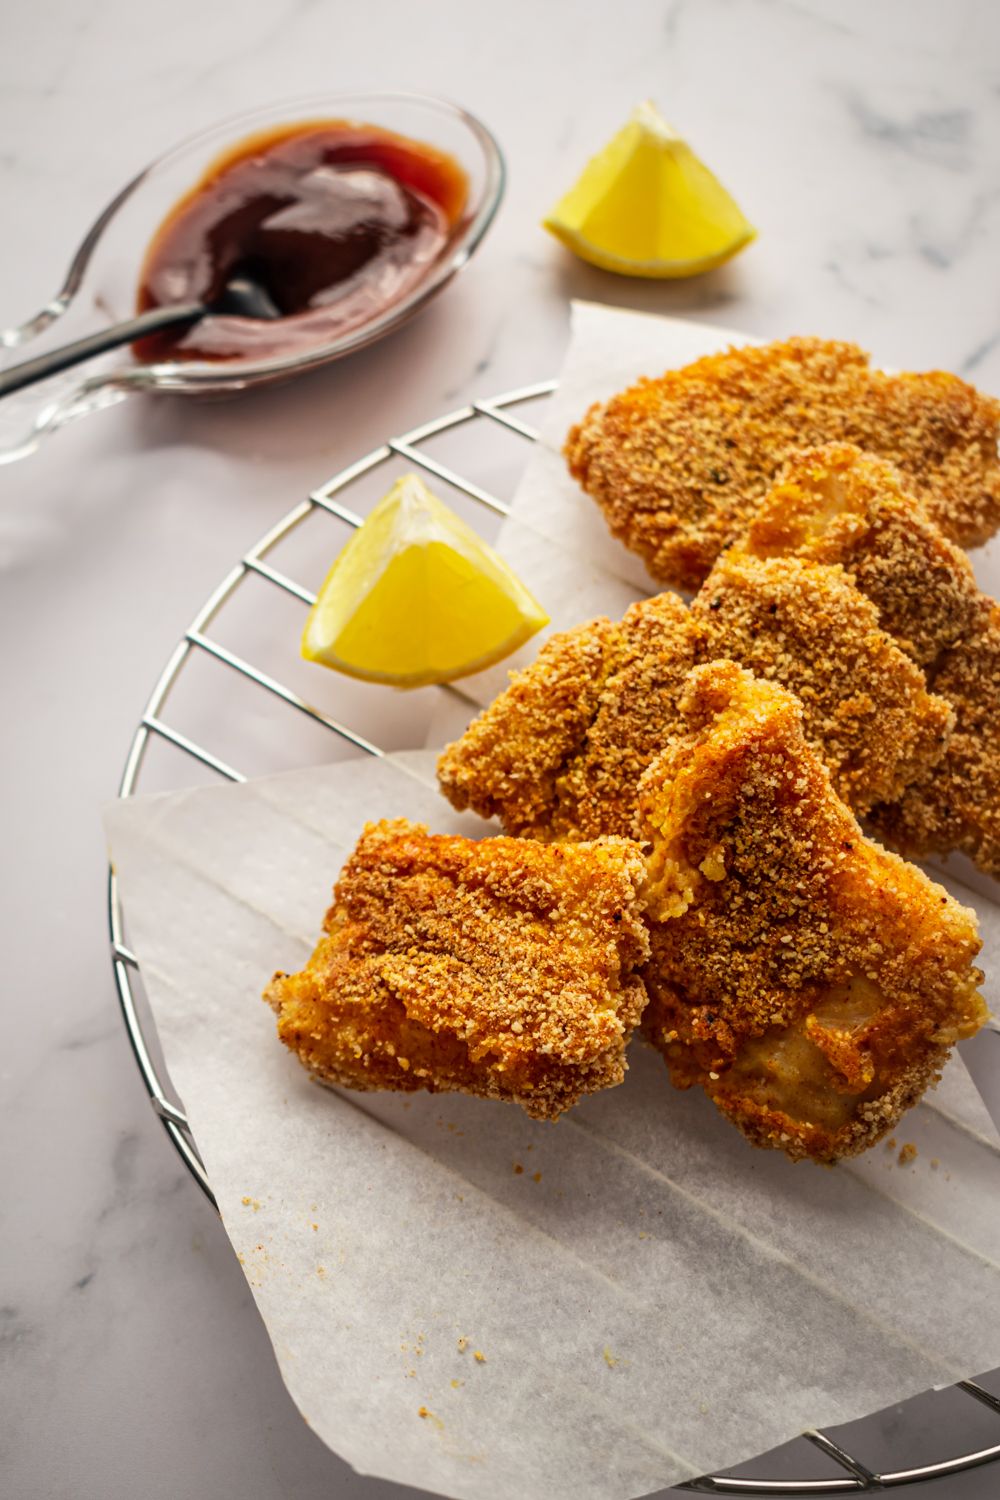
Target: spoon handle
45 365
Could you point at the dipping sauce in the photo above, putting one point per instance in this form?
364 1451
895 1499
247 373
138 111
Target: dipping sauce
336 220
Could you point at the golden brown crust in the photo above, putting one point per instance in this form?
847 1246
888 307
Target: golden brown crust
508 762
678 464
836 504
560 752
503 968
956 806
866 706
809 981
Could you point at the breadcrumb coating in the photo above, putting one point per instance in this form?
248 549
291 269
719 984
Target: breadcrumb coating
679 464
503 968
865 705
957 805
809 981
559 754
837 504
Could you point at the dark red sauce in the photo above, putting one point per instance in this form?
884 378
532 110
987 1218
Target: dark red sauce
337 221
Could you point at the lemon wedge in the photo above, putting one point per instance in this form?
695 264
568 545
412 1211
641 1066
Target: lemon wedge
417 597
646 206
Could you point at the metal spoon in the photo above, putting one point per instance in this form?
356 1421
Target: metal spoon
241 297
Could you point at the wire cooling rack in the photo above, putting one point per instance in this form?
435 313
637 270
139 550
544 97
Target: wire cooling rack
196 648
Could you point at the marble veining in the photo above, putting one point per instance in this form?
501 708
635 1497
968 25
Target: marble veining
926 135
979 355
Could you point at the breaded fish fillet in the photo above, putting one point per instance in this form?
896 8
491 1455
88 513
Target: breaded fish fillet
678 464
837 504
809 981
957 804
560 752
503 968
865 705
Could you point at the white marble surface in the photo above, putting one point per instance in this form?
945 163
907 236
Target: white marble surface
863 139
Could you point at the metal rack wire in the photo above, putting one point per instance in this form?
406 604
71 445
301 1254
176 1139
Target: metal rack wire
197 644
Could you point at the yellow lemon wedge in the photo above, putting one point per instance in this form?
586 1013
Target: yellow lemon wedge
417 597
646 206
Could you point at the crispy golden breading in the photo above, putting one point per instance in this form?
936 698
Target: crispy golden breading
560 752
678 464
809 981
836 504
866 706
503 968
957 804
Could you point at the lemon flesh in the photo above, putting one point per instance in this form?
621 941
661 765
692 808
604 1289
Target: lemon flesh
646 206
416 597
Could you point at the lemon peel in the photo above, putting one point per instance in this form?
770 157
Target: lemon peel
416 597
648 206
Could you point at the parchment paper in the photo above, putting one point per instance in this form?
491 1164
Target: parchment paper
651 1297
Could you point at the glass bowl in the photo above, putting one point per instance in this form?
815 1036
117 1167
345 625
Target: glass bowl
101 284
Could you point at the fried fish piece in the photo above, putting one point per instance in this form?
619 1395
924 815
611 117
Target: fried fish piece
678 464
809 981
559 754
865 705
956 806
503 968
837 504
